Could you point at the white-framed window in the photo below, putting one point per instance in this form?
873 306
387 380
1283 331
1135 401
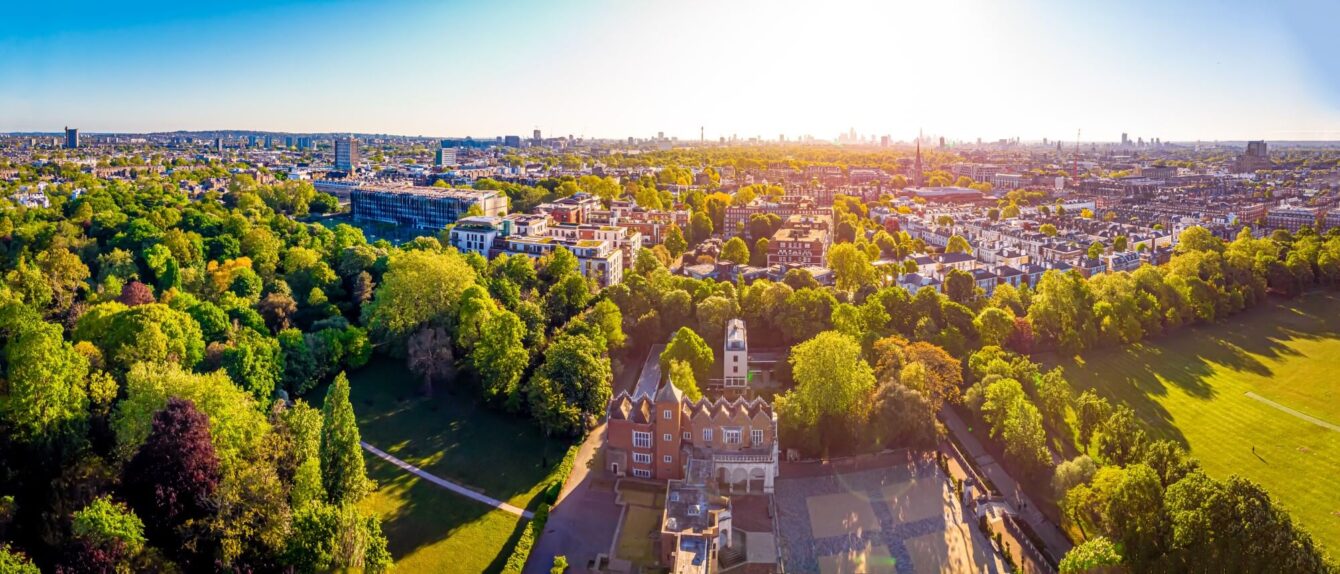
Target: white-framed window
641 439
641 473
641 458
756 437
669 437
668 459
707 435
732 436
688 435
665 414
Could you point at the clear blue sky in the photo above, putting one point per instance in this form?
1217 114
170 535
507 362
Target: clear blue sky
1198 69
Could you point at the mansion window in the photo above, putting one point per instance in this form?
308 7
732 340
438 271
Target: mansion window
756 437
669 437
641 458
668 459
641 473
707 435
641 439
732 436
665 414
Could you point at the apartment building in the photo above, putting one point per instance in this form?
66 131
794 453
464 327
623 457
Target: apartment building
431 208
802 240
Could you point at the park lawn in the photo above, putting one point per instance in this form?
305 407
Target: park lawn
431 530
453 436
1191 387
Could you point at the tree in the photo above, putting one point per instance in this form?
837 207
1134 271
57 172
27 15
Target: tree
1053 395
735 251
237 427
690 348
330 537
682 377
255 362
994 326
342 471
45 392
800 279
1072 473
136 293
419 287
674 241
758 257
700 227
104 520
960 287
571 387
12 562
1092 555
957 244
429 356
501 357
1120 439
833 386
1062 311
1048 229
903 417
1096 250
152 333
1090 410
172 479
851 267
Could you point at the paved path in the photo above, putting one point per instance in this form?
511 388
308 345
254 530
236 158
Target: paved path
1304 416
447 484
583 520
1056 541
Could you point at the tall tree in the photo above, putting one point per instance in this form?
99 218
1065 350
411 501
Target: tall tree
342 471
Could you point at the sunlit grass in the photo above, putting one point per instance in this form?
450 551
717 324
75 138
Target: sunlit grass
455 437
1190 387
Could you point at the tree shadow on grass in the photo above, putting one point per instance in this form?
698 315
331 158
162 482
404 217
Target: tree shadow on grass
452 434
1136 375
426 515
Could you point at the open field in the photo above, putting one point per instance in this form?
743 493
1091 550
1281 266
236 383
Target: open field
1257 395
456 438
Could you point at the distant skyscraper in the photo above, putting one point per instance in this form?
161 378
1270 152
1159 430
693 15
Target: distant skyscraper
269 142
218 145
288 141
346 154
537 135
71 138
251 141
512 141
1125 139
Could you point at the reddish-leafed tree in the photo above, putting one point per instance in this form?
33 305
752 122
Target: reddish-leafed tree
1021 340
136 293
83 556
171 481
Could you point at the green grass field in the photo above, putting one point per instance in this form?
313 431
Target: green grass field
1191 387
452 436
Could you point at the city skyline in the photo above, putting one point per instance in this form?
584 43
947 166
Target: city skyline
1196 71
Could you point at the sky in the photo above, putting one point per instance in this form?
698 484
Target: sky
1177 70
